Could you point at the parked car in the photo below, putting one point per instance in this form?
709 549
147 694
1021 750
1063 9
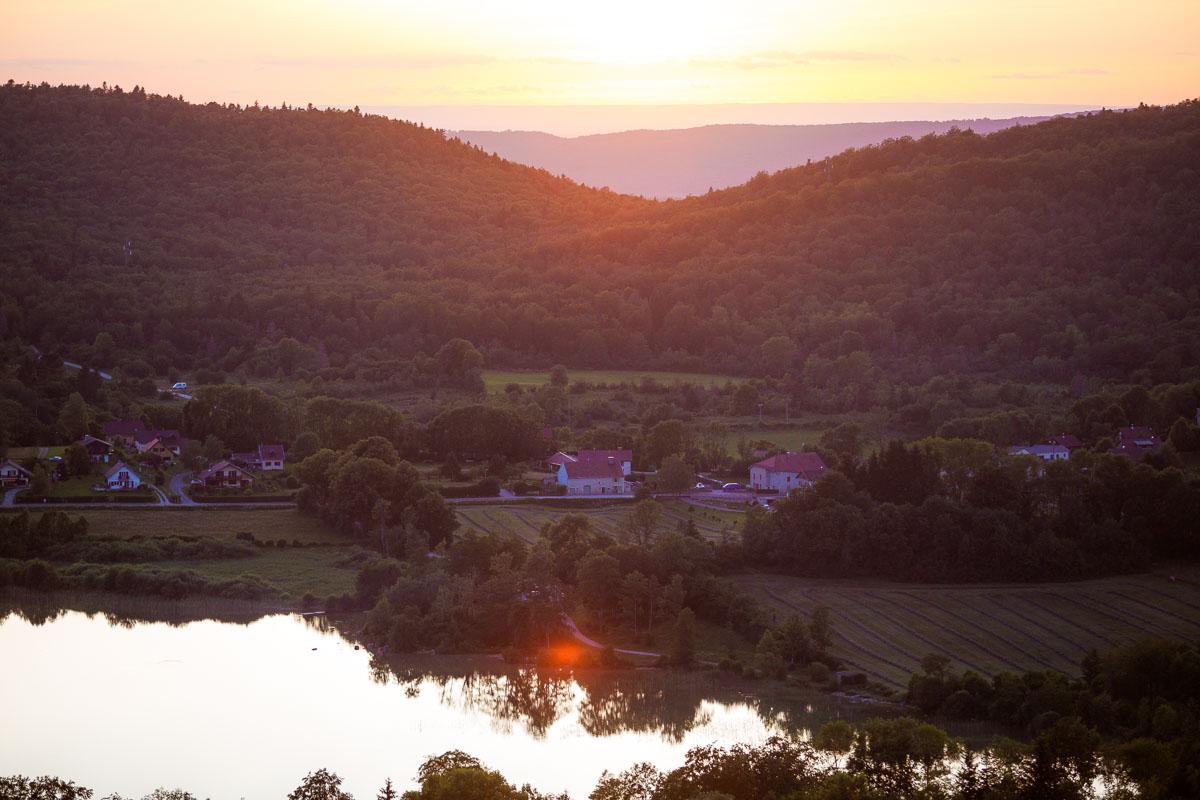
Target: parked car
733 487
178 387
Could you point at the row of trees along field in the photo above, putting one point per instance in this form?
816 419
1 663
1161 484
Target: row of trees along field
305 242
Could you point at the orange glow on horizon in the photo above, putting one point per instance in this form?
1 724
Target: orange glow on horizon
547 53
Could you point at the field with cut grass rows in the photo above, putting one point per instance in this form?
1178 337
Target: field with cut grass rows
885 628
266 523
526 520
496 379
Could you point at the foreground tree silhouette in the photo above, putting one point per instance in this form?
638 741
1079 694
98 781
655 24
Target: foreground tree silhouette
320 785
387 792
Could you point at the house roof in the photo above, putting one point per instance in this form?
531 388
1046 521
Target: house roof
807 465
1138 435
605 455
170 437
115 468
88 440
593 469
221 466
270 452
1067 440
561 458
1039 450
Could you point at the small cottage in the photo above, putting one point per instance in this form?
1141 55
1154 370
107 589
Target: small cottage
226 475
13 474
122 477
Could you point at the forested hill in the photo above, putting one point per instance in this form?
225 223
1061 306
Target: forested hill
1040 252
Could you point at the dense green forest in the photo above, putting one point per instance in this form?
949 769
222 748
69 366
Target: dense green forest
302 242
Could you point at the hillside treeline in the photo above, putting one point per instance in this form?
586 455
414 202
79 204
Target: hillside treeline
303 243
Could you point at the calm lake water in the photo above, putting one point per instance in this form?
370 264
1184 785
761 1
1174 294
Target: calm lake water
233 710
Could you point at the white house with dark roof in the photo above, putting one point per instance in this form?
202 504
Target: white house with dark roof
592 477
121 477
13 474
784 472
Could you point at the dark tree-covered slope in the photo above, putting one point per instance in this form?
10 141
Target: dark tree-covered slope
1036 253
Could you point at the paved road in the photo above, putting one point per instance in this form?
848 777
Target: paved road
179 485
583 638
104 376
163 500
11 495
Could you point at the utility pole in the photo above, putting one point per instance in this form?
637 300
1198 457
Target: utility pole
128 251
760 408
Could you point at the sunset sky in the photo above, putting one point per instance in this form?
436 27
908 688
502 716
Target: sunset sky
620 52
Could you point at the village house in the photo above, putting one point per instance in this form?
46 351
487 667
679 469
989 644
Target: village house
99 450
170 440
592 477
13 474
265 457
1046 452
122 433
121 477
1135 442
159 451
786 471
226 475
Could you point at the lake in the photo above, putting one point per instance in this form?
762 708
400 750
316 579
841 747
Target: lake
245 710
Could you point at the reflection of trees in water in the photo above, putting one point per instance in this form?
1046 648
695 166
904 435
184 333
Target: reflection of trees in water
605 702
126 611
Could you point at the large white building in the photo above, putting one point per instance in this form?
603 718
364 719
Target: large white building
786 471
592 477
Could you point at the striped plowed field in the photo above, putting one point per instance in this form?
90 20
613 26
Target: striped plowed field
526 520
885 628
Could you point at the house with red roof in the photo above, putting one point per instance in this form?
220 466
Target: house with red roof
623 458
1135 442
592 477
784 472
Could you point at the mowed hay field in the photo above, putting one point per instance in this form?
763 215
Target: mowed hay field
525 520
266 523
294 570
884 629
496 379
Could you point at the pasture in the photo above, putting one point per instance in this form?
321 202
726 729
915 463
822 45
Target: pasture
525 520
294 570
787 438
265 523
496 379
884 629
